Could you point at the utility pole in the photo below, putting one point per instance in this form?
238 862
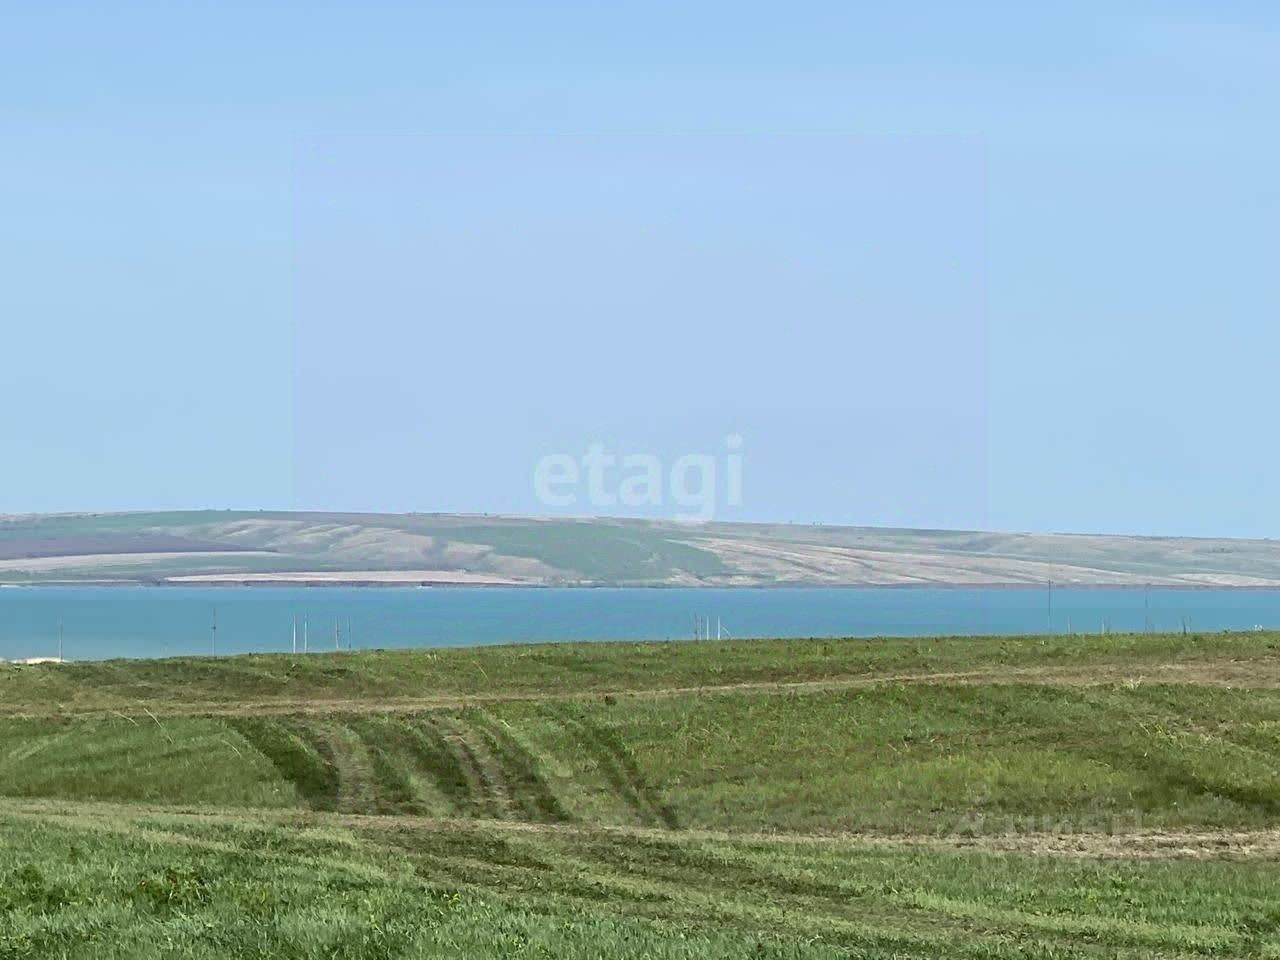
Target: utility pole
1048 621
295 635
60 633
213 633
306 633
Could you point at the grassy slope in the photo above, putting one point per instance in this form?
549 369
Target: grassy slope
108 885
598 806
572 669
930 758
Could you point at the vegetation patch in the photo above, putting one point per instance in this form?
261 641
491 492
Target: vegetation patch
806 801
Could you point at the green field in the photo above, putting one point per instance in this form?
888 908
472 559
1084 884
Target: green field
1024 797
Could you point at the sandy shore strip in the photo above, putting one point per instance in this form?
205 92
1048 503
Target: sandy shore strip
107 561
330 577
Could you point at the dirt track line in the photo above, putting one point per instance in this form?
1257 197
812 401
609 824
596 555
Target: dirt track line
1137 844
1252 674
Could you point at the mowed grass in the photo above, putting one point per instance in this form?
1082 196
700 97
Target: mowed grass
798 799
898 758
102 885
180 759
574 669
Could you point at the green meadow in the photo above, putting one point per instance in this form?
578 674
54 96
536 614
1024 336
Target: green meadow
1024 797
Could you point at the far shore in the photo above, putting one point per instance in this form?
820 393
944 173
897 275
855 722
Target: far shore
419 579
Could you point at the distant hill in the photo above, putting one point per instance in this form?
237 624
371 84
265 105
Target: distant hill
217 546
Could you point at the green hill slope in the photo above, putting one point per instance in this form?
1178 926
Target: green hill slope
995 797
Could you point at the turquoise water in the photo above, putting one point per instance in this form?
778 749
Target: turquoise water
102 622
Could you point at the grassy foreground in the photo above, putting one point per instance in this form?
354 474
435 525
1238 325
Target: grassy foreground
1032 797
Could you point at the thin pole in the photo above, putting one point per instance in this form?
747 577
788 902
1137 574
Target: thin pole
306 632
295 634
213 633
60 632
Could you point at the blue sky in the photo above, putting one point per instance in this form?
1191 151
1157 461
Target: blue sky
959 265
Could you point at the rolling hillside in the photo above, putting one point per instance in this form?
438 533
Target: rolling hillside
218 546
986 798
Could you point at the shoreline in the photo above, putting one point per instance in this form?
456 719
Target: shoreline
320 584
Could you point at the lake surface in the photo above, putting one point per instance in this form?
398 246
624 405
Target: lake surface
103 622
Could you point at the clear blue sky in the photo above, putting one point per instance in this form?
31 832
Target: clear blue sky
994 265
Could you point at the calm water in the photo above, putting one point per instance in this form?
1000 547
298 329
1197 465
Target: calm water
104 622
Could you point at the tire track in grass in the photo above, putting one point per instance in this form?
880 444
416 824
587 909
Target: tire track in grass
526 785
357 783
487 796
443 764
297 756
619 768
394 790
